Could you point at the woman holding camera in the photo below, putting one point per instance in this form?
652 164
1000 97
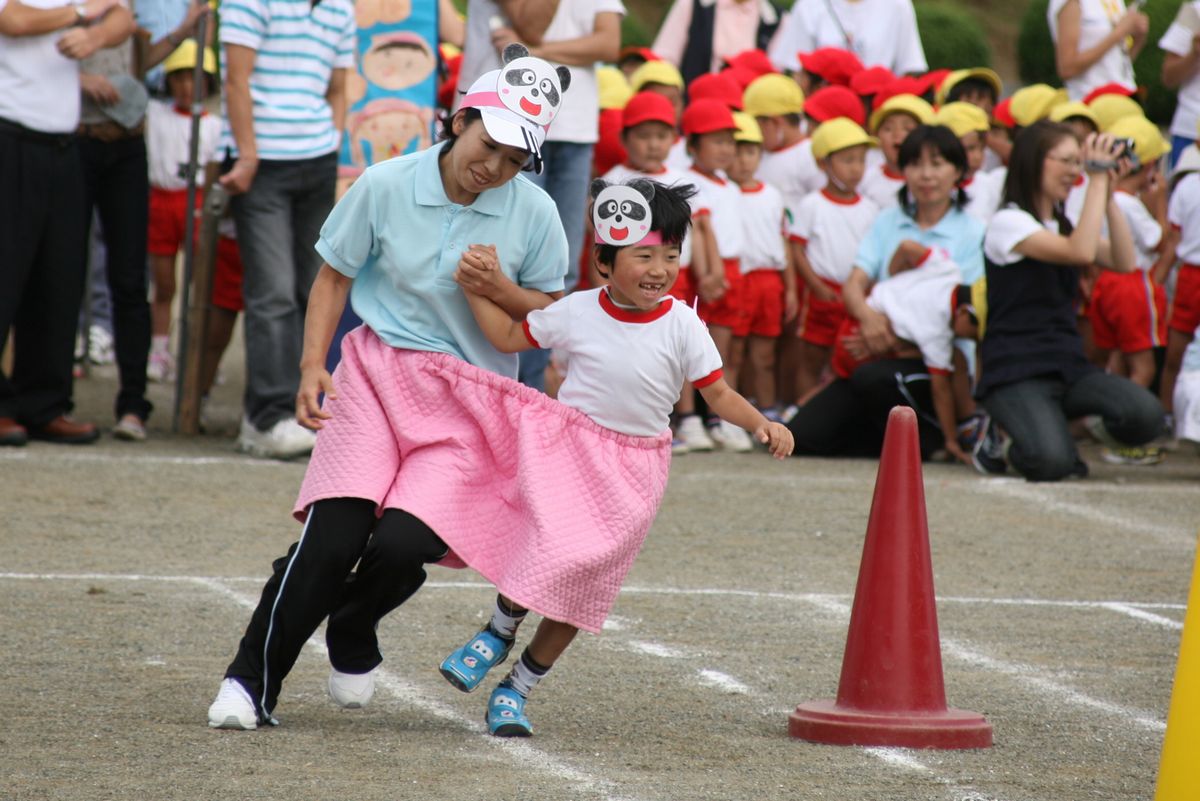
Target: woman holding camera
1034 376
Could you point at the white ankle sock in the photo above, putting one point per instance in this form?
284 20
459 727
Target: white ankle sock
526 674
505 619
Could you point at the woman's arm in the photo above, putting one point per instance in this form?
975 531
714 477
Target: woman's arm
113 28
326 301
1176 68
602 44
1117 253
1069 60
876 329
450 25
729 405
18 19
155 53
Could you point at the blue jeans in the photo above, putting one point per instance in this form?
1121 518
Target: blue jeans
1178 145
566 175
278 222
1035 412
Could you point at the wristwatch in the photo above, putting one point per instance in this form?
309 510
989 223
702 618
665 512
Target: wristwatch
80 13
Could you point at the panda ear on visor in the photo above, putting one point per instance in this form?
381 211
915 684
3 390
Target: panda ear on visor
564 78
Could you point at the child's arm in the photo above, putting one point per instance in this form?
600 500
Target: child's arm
729 405
804 268
791 297
506 335
702 255
482 275
1166 257
943 404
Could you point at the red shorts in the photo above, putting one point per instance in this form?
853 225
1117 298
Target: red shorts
821 319
227 276
842 363
683 290
762 302
727 311
1185 310
1128 312
168 218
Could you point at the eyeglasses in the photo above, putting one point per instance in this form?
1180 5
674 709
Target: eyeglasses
1073 163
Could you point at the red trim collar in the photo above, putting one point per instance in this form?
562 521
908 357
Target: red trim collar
890 173
716 179
663 171
184 112
758 187
626 316
841 201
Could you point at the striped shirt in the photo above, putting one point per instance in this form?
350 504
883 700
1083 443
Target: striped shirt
298 46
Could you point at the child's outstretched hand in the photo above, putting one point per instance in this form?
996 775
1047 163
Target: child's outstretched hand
479 270
777 438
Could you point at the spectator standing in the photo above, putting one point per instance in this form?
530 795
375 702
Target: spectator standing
699 35
524 20
1095 42
880 32
1181 57
43 223
286 63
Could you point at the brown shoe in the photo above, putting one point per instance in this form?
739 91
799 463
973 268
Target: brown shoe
65 431
12 432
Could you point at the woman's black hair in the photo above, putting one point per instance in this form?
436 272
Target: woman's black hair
669 211
940 140
448 137
1026 164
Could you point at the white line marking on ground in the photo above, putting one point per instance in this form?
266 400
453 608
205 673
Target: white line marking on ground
524 753
1141 614
656 649
722 681
51 457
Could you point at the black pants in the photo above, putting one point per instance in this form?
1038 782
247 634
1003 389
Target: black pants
849 416
116 184
43 249
314 580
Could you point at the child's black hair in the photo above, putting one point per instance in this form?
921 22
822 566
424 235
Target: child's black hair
971 86
669 210
942 141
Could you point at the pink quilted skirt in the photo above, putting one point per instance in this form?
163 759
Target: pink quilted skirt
544 503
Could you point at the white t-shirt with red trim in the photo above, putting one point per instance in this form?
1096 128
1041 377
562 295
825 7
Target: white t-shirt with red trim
678 158
626 368
764 221
721 200
168 143
882 186
830 229
793 171
984 191
919 305
1183 213
1147 233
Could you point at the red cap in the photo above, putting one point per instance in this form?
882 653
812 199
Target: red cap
716 86
647 106
932 80
835 65
1003 115
903 85
706 116
646 53
752 61
609 152
449 87
741 76
871 80
829 102
1109 89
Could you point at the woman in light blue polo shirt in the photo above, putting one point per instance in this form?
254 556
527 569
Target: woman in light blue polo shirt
930 214
392 246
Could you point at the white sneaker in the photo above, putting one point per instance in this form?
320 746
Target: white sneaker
100 345
233 708
287 439
160 368
731 437
351 690
693 434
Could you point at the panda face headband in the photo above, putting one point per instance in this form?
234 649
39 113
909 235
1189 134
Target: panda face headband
621 215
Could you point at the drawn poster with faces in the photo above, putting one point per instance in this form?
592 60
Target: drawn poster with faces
392 91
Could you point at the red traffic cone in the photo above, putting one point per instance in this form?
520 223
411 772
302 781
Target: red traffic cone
891 691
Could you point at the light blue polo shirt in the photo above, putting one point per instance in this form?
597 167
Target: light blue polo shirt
400 238
960 234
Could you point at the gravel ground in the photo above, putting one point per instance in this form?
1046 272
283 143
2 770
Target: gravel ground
129 571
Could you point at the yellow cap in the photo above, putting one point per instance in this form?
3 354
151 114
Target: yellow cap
1148 141
184 58
655 72
958 76
838 134
979 301
962 118
773 95
1110 108
447 50
1033 103
1065 111
613 88
747 128
901 104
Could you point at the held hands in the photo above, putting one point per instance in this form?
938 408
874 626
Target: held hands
313 382
777 438
479 270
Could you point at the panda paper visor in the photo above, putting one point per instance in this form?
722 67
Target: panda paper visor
621 216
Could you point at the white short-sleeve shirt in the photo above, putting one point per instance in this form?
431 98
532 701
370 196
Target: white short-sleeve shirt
882 186
984 192
578 118
882 32
168 143
626 368
39 87
831 229
1147 233
764 221
721 200
1096 20
1183 213
793 171
1178 40
1010 227
918 302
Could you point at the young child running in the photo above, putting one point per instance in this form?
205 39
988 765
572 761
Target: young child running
825 234
168 142
631 345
